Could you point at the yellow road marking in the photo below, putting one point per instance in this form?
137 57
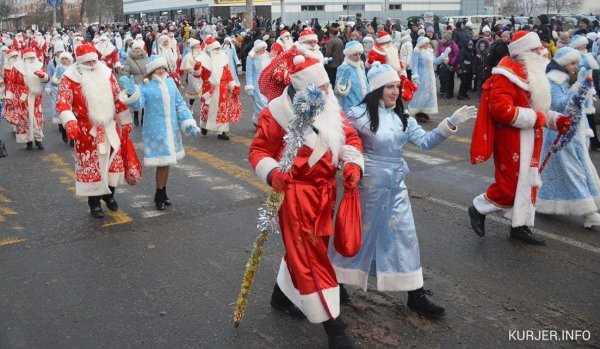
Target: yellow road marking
119 217
4 199
10 241
460 139
230 168
68 177
17 227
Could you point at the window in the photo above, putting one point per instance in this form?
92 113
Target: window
304 8
395 6
354 7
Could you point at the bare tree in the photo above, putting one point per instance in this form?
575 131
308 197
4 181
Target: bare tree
5 9
528 6
564 5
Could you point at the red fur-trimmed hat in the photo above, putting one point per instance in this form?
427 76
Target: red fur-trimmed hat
383 37
307 35
28 53
307 72
86 53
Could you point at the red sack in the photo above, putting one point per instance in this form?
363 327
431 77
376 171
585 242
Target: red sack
408 88
348 224
482 141
131 163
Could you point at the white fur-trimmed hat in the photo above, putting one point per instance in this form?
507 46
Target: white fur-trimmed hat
66 54
307 72
307 35
422 41
137 44
384 37
486 29
381 75
86 53
578 40
258 44
28 53
154 62
522 42
12 53
211 44
353 47
193 42
566 55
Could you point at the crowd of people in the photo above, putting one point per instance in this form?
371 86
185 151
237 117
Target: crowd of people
379 84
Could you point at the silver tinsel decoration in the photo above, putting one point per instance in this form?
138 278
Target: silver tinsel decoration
306 105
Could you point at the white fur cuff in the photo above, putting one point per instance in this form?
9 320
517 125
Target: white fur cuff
551 118
187 123
9 95
525 118
131 99
350 154
206 98
66 116
124 117
264 167
23 97
444 128
249 88
231 85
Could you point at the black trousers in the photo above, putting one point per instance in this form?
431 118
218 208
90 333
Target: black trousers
331 73
594 142
446 80
465 84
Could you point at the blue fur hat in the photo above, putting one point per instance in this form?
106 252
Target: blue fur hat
353 47
381 75
566 55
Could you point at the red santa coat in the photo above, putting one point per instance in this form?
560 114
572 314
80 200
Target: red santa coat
276 49
25 108
306 275
377 54
8 111
97 148
505 128
216 100
40 48
109 57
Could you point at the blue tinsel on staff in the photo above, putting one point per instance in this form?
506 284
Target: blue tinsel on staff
574 111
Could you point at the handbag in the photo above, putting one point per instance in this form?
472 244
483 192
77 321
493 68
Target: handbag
131 163
348 224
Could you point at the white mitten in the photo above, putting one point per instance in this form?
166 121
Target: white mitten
463 114
249 90
416 80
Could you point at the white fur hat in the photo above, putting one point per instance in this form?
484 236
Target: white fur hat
353 47
155 62
308 72
523 42
566 55
381 75
258 44
193 42
486 29
66 55
578 40
137 44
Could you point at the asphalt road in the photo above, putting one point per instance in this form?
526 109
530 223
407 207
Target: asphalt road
169 279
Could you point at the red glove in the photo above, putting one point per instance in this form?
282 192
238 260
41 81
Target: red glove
236 91
197 66
563 124
126 129
540 121
351 176
72 130
279 180
40 74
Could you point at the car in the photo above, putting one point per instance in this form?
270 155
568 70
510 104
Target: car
520 22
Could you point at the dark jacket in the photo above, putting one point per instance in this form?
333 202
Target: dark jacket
498 50
465 61
481 68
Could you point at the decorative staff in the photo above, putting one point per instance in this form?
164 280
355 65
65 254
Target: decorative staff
573 111
306 104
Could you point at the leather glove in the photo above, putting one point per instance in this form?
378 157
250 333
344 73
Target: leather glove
540 120
128 84
126 129
563 124
192 130
197 66
72 130
463 114
351 175
40 74
236 91
279 180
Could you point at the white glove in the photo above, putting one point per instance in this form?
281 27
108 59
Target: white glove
446 52
327 60
47 90
463 114
23 97
415 79
249 90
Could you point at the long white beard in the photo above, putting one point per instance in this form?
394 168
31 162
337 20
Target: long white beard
535 67
169 55
218 60
330 125
309 52
287 43
35 85
98 93
391 55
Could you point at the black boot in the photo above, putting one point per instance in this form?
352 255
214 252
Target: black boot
39 145
477 221
336 335
166 200
109 200
523 233
63 133
136 118
159 199
203 131
95 207
418 302
223 136
282 303
344 296
29 145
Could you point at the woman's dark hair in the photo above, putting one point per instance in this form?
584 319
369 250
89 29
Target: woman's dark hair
371 101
